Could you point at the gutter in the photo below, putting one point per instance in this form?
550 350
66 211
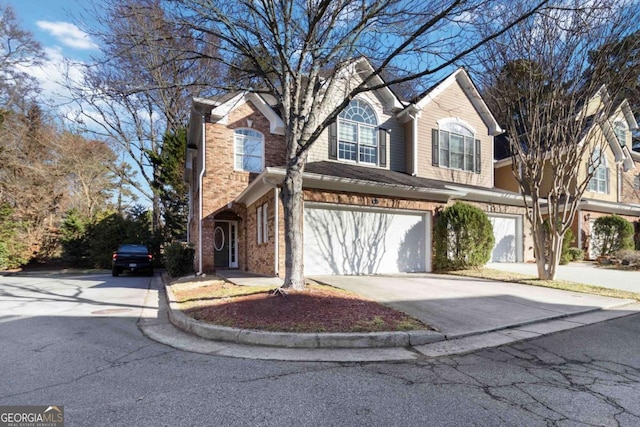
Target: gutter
200 210
276 225
415 143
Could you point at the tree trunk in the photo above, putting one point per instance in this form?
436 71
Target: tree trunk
555 252
292 202
540 252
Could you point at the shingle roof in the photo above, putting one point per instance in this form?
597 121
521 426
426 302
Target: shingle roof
363 173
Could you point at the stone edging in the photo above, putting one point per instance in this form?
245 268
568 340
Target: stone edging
297 340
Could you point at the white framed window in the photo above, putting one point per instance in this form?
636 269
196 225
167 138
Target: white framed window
620 129
249 150
599 182
262 223
358 133
636 182
455 147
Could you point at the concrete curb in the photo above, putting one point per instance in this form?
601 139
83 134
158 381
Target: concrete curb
323 340
561 316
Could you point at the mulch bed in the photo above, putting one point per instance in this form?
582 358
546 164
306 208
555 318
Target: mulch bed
316 309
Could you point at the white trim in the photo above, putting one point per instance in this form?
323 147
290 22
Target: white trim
276 231
259 224
235 153
233 244
220 112
458 121
463 79
414 142
265 222
200 196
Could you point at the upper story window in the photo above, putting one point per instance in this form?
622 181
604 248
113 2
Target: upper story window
620 129
249 150
599 183
357 133
455 147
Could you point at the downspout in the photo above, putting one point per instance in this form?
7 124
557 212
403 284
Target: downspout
200 210
276 226
414 142
580 225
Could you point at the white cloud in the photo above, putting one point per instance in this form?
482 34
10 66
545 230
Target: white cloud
68 34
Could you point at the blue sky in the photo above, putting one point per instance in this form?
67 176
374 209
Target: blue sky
52 25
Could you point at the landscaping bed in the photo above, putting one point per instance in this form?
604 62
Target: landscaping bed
318 308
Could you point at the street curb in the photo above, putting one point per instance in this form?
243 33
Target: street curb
296 340
562 316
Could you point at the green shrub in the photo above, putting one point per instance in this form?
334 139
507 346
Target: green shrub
463 238
575 254
178 259
565 257
611 234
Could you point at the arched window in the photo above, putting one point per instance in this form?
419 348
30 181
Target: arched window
357 133
249 150
455 146
599 182
620 129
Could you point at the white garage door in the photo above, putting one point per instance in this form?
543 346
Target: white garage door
507 232
348 240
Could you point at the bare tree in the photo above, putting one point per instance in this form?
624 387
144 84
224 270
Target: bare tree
86 165
18 51
307 54
548 94
141 86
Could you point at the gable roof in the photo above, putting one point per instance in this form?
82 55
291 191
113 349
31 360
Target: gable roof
462 78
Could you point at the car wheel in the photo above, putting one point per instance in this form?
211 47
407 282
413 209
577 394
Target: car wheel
115 272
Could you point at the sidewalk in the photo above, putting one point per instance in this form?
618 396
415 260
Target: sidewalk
516 313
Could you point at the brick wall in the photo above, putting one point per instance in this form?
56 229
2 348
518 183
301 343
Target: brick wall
222 183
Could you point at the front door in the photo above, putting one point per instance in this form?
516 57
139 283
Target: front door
221 239
225 247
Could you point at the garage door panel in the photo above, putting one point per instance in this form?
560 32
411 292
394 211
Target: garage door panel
507 239
359 241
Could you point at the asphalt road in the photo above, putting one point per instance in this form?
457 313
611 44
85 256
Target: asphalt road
74 341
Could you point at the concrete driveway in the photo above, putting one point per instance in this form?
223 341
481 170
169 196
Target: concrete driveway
460 306
581 272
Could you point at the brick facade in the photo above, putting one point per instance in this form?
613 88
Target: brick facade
222 183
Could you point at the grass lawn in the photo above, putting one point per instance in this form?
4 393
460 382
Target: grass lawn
505 276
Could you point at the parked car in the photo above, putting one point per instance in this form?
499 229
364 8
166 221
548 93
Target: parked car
132 258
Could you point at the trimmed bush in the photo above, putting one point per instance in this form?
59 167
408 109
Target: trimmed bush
565 257
611 234
463 238
575 254
178 259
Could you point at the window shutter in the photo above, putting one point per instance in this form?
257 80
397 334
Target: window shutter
333 141
478 157
435 147
382 147
265 223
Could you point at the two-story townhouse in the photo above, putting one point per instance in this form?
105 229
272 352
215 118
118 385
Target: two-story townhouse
372 185
612 189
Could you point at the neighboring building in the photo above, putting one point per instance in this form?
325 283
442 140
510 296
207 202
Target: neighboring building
615 186
372 185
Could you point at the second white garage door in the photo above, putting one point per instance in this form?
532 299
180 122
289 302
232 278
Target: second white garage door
348 240
507 231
